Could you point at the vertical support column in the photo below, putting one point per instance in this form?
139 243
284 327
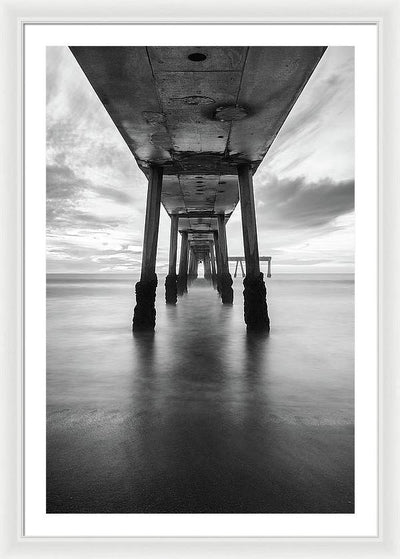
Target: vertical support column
213 266
236 268
207 266
170 281
191 272
195 265
144 316
190 269
183 264
212 258
225 277
255 304
241 267
269 268
218 261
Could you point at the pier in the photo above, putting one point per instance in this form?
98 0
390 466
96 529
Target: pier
241 259
199 121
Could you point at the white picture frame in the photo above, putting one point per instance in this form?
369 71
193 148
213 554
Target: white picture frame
386 15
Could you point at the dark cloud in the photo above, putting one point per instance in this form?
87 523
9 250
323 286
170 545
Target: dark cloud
294 203
64 192
62 183
113 194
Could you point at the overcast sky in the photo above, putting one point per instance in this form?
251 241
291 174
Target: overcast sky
304 188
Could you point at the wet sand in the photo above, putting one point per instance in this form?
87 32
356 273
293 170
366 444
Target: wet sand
200 417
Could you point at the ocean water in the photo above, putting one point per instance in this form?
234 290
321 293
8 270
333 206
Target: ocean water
200 417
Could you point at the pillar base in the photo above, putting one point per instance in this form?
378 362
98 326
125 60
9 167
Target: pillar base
225 289
255 303
144 314
171 290
181 284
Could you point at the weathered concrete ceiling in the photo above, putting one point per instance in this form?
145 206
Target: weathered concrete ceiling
198 111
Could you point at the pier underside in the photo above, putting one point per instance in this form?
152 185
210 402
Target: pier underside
199 121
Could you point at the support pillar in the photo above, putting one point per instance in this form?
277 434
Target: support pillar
236 268
241 267
213 265
183 264
196 267
170 281
218 261
192 260
207 267
225 277
144 316
269 268
255 304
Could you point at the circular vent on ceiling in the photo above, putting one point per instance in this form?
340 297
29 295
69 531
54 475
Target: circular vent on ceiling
197 56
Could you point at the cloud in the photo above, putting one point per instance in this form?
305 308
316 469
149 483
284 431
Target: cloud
62 183
310 114
294 203
65 194
317 139
122 257
110 193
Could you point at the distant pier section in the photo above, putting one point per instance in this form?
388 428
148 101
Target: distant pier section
241 259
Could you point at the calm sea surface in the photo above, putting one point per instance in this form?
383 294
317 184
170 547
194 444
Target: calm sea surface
200 416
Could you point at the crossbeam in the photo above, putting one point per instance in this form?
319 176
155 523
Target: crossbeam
241 259
261 258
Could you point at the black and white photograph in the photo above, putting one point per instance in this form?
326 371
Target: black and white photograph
200 279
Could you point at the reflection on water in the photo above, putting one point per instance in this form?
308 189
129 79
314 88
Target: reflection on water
200 416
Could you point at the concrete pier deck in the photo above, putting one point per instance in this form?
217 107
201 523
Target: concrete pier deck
199 121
